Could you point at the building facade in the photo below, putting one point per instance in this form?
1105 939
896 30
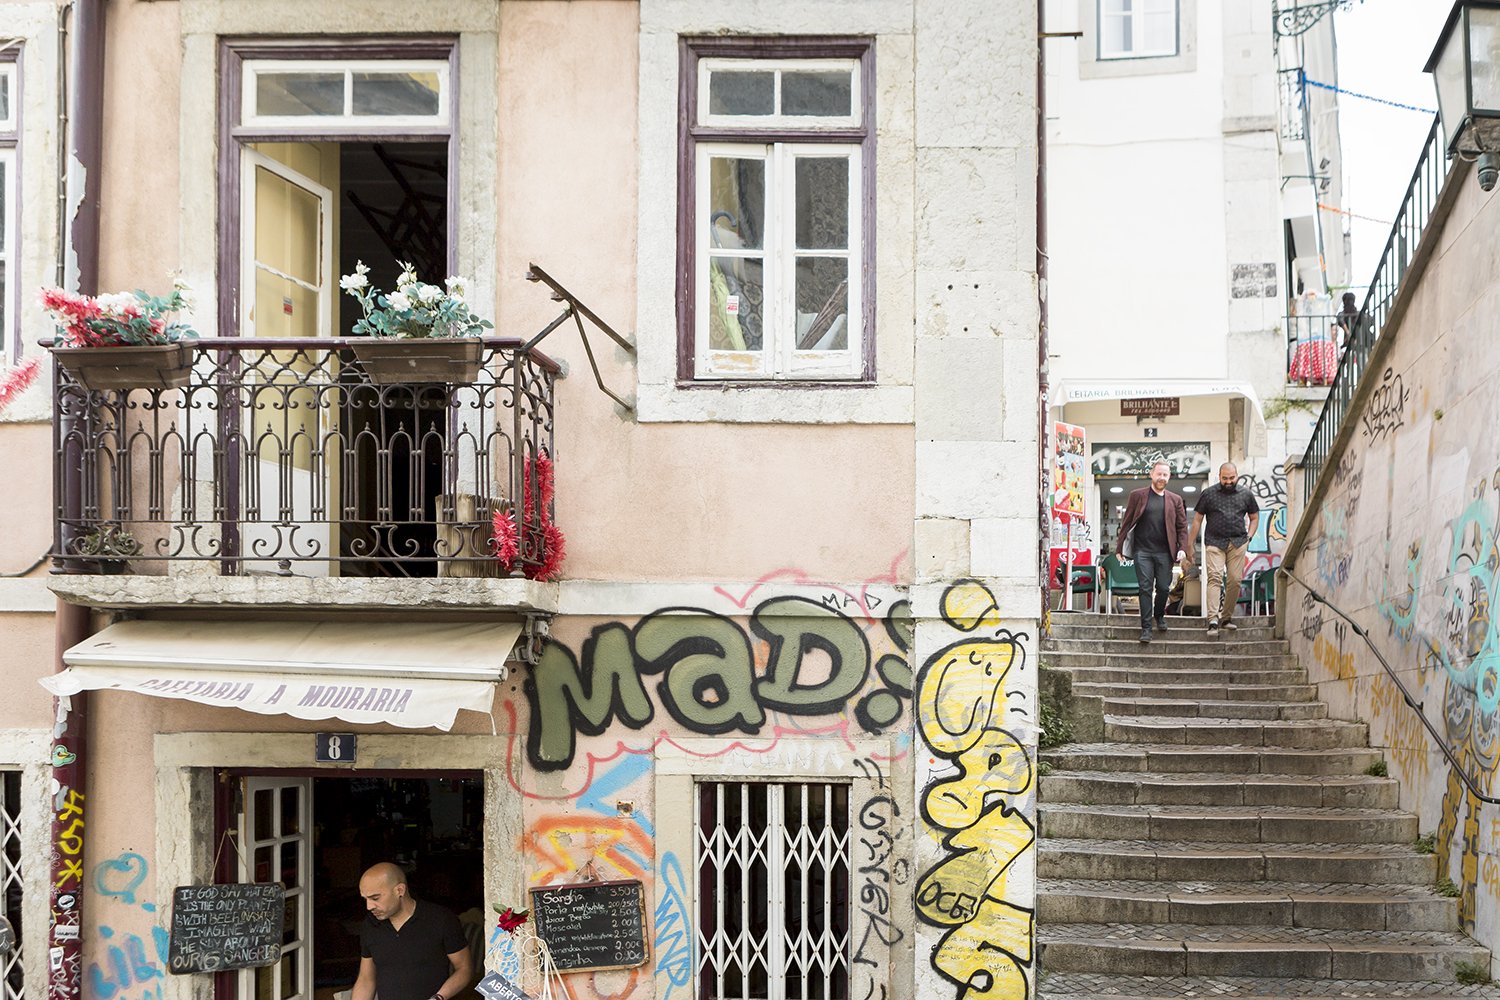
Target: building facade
715 573
1197 259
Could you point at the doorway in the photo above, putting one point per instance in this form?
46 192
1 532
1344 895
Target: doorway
317 835
366 461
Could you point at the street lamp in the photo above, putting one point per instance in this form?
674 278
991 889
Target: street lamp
1466 70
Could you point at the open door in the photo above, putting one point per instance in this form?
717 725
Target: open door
291 400
276 846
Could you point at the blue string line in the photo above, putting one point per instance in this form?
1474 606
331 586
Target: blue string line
1366 97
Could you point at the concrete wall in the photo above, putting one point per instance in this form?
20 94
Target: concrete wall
1404 540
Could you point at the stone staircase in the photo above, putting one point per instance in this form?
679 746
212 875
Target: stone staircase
1227 838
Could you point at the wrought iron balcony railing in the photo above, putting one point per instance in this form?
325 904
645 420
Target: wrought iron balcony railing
296 457
1313 347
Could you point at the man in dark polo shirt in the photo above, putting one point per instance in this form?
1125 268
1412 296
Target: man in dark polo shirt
1226 507
411 949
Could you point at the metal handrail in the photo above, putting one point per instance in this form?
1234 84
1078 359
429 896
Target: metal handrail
1406 694
1411 222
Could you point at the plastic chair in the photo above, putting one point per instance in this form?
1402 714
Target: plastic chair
1086 582
1119 579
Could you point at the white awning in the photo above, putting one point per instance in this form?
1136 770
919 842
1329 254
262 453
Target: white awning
411 674
1096 390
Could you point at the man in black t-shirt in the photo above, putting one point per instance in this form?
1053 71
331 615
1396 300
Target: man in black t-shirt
409 950
1226 508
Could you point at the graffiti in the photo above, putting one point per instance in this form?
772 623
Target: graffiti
1385 411
816 659
1312 617
1136 459
1333 659
878 871
1401 733
986 949
1454 631
674 933
129 968
1270 496
1333 554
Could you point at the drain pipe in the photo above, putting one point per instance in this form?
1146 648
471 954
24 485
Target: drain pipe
80 251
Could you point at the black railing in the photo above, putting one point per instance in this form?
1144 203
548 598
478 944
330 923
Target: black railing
1293 103
303 457
1313 344
1407 697
1416 210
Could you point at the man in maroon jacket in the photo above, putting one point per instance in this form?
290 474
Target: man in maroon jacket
1156 525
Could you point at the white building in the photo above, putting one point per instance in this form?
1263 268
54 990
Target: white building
1185 172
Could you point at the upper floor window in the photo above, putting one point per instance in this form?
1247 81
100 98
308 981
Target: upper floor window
323 93
1132 29
777 175
9 209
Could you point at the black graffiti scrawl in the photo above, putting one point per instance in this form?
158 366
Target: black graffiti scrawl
708 684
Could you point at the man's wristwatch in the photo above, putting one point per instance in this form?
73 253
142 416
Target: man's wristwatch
438 996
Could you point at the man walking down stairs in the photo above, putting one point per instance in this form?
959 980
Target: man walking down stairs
1225 838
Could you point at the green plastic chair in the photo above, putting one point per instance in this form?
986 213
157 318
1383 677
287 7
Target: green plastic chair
1119 579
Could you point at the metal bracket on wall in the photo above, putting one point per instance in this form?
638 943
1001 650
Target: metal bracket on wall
1300 18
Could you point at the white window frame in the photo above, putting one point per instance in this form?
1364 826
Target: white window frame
778 357
778 121
8 74
348 67
1137 16
8 307
864 765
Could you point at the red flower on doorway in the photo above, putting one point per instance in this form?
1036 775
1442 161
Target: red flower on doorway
507 537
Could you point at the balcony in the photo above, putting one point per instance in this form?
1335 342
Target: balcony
294 458
1313 346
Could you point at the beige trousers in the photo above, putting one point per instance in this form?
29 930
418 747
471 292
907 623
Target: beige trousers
1215 564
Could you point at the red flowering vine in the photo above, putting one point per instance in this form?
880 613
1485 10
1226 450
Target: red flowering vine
18 380
507 537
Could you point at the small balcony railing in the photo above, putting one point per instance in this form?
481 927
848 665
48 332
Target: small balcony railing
290 457
1313 346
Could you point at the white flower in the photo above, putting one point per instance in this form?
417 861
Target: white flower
399 301
350 282
457 285
360 267
117 302
428 294
408 276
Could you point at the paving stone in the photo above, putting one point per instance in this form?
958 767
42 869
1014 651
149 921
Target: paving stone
1052 985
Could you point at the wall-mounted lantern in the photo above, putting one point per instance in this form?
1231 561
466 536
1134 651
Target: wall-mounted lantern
1465 67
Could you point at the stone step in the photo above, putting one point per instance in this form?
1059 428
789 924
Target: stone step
1187 630
1279 904
1093 619
1127 674
1188 861
1313 734
1149 656
1186 641
1200 692
1115 788
1222 759
1189 708
1306 952
1060 985
1230 824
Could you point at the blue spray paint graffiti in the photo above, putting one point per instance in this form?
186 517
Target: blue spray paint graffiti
674 941
129 970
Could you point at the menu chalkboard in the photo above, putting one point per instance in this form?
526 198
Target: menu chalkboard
592 925
219 927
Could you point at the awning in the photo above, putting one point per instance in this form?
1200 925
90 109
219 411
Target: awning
411 674
1093 391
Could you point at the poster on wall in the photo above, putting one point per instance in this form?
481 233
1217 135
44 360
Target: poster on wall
1069 530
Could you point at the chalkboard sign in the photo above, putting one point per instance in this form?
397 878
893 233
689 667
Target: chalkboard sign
496 987
220 927
592 925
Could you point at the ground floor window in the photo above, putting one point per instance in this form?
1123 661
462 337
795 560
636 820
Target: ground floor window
10 877
773 864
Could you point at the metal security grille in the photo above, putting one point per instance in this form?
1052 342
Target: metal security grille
773 891
10 876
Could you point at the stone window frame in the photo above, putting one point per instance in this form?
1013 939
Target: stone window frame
1092 67
695 50
681 763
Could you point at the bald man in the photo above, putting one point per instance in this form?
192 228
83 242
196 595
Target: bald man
410 950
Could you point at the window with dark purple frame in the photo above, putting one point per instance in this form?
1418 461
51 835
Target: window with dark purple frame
795 154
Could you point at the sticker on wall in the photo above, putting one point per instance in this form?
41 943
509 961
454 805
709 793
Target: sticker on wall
732 305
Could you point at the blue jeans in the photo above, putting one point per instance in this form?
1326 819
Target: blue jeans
1153 568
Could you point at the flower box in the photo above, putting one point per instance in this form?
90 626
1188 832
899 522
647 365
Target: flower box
391 361
156 366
